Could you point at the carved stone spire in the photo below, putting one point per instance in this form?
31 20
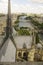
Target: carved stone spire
8 27
9 8
9 21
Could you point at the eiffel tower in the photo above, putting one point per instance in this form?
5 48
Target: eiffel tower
9 30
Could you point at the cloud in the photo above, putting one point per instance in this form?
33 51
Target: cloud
27 8
3 6
15 7
4 1
37 1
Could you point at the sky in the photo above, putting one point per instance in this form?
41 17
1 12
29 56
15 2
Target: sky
22 6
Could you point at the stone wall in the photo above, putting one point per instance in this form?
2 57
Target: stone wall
23 63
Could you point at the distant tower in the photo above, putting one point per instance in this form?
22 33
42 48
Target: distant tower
8 27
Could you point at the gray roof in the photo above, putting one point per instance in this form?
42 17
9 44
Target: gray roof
20 40
8 52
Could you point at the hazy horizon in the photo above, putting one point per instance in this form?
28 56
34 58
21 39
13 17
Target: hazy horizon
22 6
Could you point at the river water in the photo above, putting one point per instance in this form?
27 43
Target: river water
25 23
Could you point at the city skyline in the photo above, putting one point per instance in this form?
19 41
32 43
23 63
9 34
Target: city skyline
22 6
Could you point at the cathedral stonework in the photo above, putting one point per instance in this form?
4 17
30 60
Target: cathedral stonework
29 54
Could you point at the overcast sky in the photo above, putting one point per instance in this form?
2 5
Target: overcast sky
24 6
